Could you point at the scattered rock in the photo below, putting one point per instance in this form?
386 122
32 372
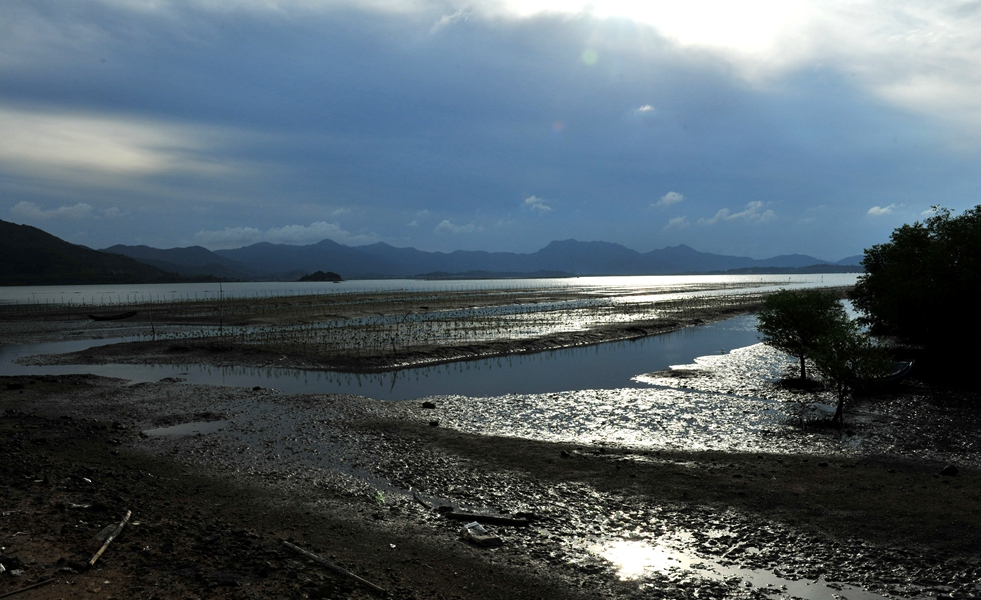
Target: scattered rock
428 404
949 470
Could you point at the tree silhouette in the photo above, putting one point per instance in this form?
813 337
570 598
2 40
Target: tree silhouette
794 320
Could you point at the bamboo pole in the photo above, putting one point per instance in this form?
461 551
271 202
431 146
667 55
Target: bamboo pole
112 536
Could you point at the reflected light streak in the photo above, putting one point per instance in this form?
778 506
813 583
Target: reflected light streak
633 559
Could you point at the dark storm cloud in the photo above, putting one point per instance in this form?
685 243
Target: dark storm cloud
422 128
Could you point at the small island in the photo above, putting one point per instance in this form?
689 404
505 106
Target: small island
321 276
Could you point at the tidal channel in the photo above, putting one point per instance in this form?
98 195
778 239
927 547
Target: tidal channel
611 365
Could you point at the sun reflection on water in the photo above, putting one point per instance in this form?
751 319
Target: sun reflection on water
671 556
633 559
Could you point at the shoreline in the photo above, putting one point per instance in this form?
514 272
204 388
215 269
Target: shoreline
358 480
210 511
480 326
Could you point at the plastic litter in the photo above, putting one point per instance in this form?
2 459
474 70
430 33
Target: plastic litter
475 533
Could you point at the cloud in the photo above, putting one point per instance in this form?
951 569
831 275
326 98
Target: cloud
81 147
722 214
446 226
29 210
446 20
917 55
677 223
667 103
315 232
669 199
536 203
881 211
420 215
751 213
231 237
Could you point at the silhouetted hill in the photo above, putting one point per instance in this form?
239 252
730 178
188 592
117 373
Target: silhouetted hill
808 270
324 255
589 258
321 276
29 256
381 260
190 261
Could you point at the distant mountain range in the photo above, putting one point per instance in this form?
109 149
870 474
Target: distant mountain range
191 261
29 256
379 261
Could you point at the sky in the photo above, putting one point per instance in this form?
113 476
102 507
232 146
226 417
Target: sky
750 128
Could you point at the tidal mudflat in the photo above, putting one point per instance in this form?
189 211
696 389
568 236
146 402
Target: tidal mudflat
699 484
387 330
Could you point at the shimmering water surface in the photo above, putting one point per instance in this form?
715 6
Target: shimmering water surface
671 556
116 294
603 366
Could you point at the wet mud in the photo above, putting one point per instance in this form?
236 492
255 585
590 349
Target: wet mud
714 481
368 484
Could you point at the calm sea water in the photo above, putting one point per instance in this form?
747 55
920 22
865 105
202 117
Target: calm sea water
123 294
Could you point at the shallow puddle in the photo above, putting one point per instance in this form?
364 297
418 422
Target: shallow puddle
198 428
667 557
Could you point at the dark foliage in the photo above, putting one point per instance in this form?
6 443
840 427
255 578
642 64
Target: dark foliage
813 324
322 276
923 285
794 321
847 358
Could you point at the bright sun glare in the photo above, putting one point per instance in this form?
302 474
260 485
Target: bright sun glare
632 559
751 26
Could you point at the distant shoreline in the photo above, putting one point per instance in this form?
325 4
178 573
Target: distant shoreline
391 343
